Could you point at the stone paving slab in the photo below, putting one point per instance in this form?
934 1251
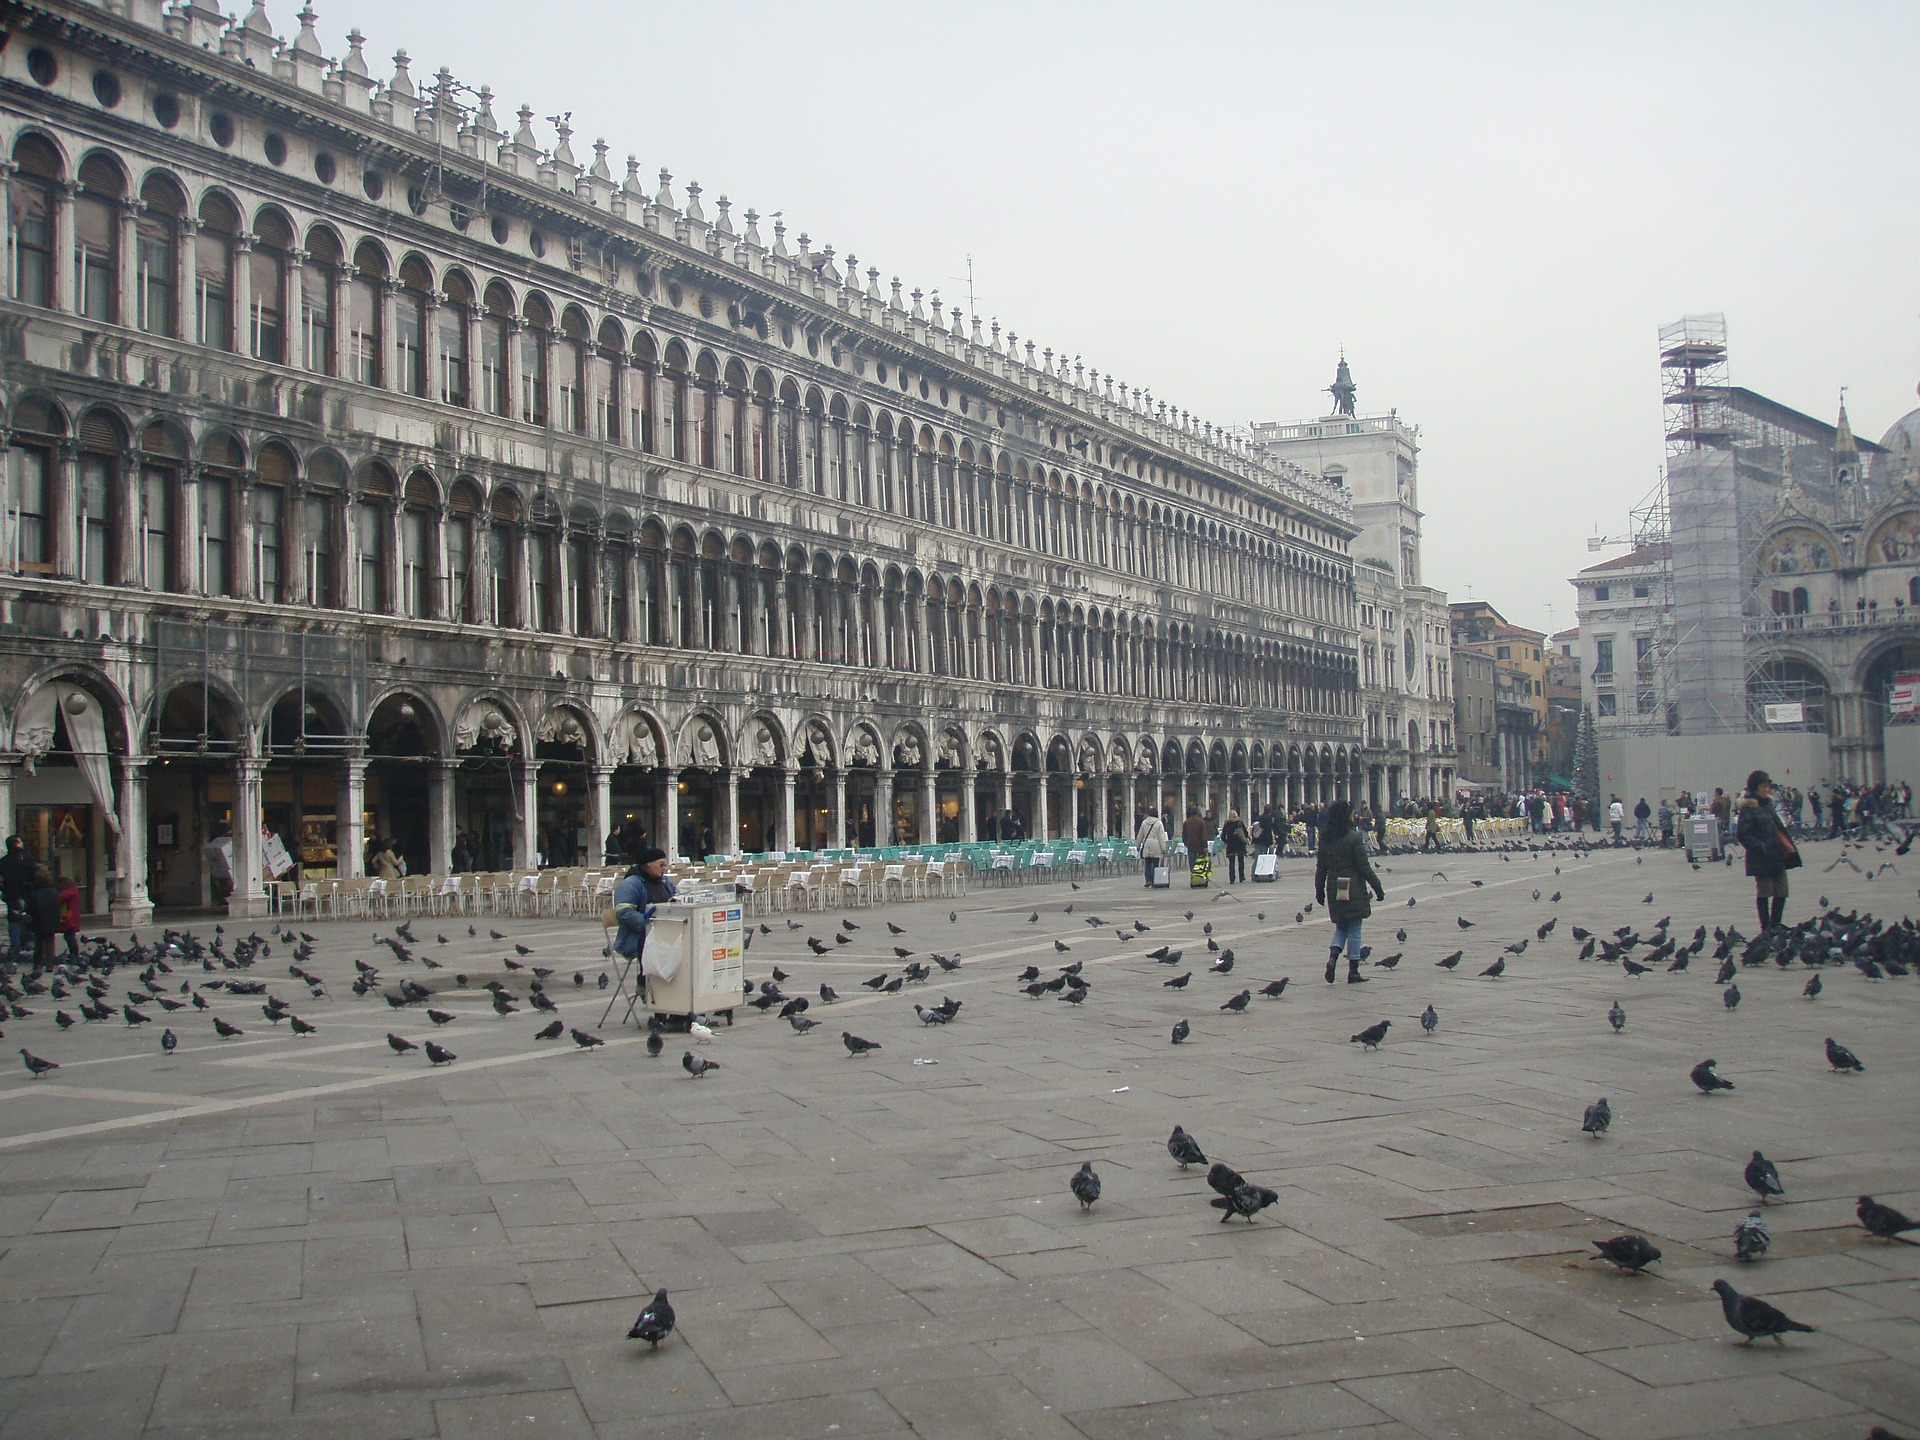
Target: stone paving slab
319 1237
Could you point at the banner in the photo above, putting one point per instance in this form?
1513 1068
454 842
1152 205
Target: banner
1791 713
1904 697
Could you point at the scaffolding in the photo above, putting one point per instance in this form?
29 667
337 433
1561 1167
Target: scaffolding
1693 383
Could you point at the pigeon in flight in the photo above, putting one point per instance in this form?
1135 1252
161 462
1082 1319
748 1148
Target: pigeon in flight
1703 1076
1085 1185
1629 1253
1751 1238
656 1321
1184 1148
1598 1117
1764 1179
1754 1318
1372 1035
1841 1058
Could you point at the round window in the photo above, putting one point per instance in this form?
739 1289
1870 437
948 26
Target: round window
537 242
673 296
276 148
325 168
166 110
501 230
706 307
106 88
374 183
42 66
221 128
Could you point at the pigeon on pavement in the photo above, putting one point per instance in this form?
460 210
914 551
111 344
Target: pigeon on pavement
1247 1199
1763 1179
1754 1318
1085 1185
1703 1076
1751 1238
1841 1058
1372 1035
1238 1002
1630 1253
697 1065
655 1323
1181 1030
1885 1221
1617 1018
1599 1116
855 1045
1184 1148
1429 1019
439 1054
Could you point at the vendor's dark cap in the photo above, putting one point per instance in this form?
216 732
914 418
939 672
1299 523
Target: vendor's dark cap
648 854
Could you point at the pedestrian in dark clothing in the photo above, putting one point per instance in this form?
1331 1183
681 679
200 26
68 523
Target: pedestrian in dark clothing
43 916
1341 878
1770 851
1234 839
16 881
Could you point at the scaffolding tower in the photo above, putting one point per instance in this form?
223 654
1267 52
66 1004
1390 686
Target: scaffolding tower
1693 383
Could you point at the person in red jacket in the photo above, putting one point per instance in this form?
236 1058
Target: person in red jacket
69 911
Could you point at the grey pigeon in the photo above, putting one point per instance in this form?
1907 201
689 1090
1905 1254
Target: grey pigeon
1372 1035
1181 1030
1248 1200
1751 1238
1617 1018
855 1045
1753 1317
1763 1179
1224 1179
1274 989
801 1024
1179 982
1085 1185
655 1323
1703 1076
1812 988
400 1044
1841 1058
1598 1117
1884 1221
1496 969
1429 1019
37 1067
697 1065
1631 1253
1238 1002
1184 1148
930 1017
655 1042
1730 997
439 1054
168 1041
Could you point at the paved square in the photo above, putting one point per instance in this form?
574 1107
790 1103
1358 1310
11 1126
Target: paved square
305 1236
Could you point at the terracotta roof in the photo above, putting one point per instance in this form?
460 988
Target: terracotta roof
1651 556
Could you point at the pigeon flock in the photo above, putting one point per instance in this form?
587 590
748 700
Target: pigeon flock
218 990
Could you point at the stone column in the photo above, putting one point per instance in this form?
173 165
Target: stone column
883 808
669 838
526 841
969 806
350 825
7 768
1129 805
242 295
127 313
929 826
1006 800
1040 827
1073 807
440 826
787 838
732 845
60 223
248 899
839 809
600 811
1103 808
131 904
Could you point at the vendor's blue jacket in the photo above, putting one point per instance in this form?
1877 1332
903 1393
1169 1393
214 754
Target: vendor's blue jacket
633 902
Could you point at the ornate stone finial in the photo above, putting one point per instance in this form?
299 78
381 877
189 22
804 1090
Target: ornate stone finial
896 303
938 323
873 282
723 225
1030 349
401 86
631 187
753 227
483 120
257 21
356 61
976 329
919 310
600 171
1079 373
523 137
1048 353
307 42
827 269
853 270
694 212
665 198
563 152
779 236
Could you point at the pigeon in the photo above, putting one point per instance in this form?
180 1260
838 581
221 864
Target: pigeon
893 929
1372 1035
1224 1179
930 1017
501 1007
855 1045
1617 1018
877 982
1429 1019
1180 1031
550 1031
224 1030
1085 1185
801 1024
1449 961
656 1321
399 1044
1496 969
1463 922
1598 1117
1388 963
815 946
1274 989
1754 1318
1884 1221
301 1027
1634 968
1060 947
441 1017
1630 1253
1519 947
1751 1238
1703 1076
169 1041
1730 997
585 1040
1812 988
1763 1178
1248 1200
439 1054
135 1017
1034 918
894 986
1179 982
1841 1058
1222 966
655 1044
1184 1148
37 1067
697 1065
1239 1002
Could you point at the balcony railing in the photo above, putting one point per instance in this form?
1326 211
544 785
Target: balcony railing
1898 616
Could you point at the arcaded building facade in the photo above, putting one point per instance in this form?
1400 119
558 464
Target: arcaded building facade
372 469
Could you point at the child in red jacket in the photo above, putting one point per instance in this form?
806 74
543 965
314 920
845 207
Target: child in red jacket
69 912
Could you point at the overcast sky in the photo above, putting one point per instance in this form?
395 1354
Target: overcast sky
1491 207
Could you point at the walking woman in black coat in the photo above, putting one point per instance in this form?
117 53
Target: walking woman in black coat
1341 880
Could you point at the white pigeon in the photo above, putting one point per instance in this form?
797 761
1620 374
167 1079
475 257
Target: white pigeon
701 1034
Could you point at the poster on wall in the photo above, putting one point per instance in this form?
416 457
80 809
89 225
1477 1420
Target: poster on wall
1903 697
1791 713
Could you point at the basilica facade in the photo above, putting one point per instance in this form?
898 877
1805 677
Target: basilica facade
373 469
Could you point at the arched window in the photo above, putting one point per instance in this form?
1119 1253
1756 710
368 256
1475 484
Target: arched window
267 288
463 509
583 573
96 240
603 381
317 323
270 492
615 564
642 401
372 524
220 465
321 509
30 194
503 552
156 232
573 372
162 457
37 430
419 566
101 505
673 405
410 304
533 360
1913 591
365 340
543 564
213 274
496 333
456 385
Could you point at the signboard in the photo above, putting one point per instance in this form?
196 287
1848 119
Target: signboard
273 854
1904 697
728 948
1788 714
